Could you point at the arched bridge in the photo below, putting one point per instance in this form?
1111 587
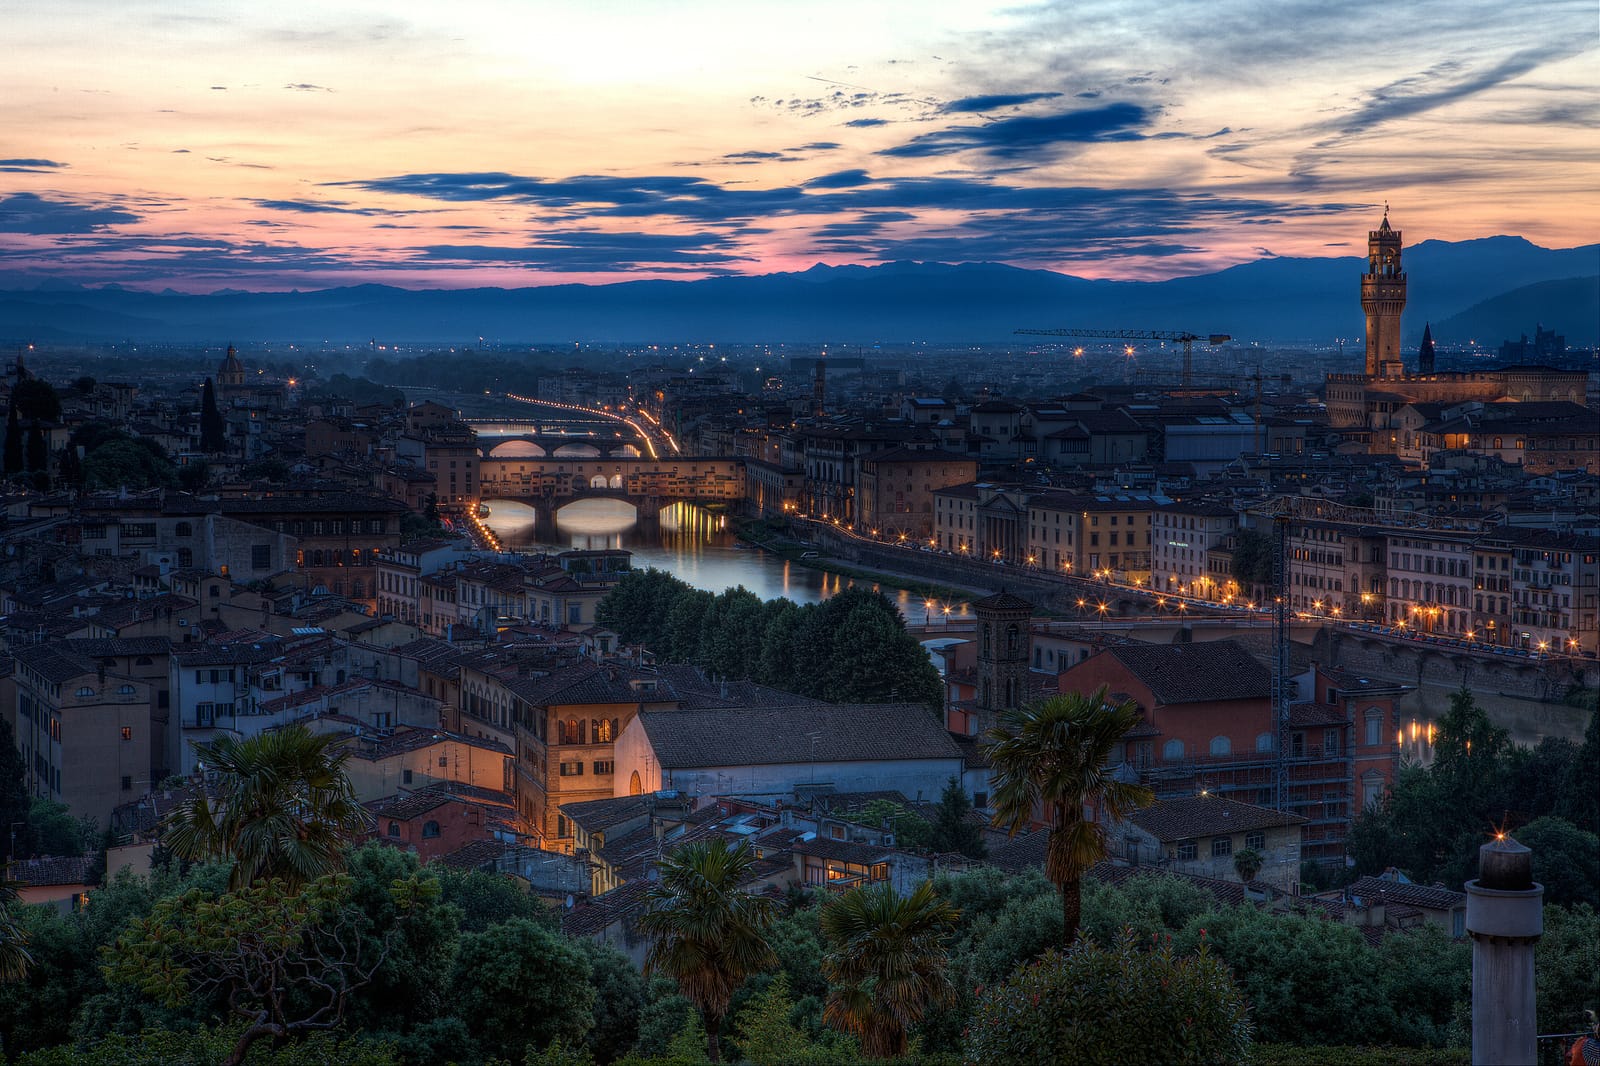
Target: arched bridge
548 445
644 483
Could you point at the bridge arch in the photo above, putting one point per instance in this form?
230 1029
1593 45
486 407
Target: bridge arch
577 451
517 449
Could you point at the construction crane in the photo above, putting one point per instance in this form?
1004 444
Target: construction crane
1183 337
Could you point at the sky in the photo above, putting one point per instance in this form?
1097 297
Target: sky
221 144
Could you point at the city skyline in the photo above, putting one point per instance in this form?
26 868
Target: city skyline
507 144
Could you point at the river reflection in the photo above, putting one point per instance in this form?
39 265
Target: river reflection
695 545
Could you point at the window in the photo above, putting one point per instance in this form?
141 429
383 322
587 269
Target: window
572 769
836 832
261 557
1187 851
1330 741
85 692
1172 750
880 872
1221 746
1264 742
394 829
1458 923
430 830
405 777
127 783
980 800
1374 728
605 766
127 732
1221 847
1256 841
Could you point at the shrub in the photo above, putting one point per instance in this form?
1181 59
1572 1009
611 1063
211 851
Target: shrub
1097 1005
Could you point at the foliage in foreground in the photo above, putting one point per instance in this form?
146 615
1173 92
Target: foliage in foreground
1161 1008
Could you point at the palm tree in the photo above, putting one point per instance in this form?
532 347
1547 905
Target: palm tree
1247 864
14 956
1048 759
886 965
283 808
708 934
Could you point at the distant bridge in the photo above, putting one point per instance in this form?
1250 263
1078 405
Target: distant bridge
647 484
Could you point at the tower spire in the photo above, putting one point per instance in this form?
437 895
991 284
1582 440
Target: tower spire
1425 353
1383 298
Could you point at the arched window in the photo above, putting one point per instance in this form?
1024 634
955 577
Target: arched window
85 691
430 830
984 635
394 829
1221 746
1013 639
1011 692
635 786
1172 750
602 730
1264 742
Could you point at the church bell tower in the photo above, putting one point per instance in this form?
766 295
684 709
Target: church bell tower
1383 297
1005 643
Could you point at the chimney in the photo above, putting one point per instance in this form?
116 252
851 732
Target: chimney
1505 919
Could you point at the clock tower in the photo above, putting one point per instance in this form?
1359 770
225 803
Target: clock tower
1383 297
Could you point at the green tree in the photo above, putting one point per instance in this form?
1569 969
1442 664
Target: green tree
519 985
204 1047
54 830
286 960
886 963
15 455
618 999
269 469
952 829
194 476
36 400
123 462
1051 756
1096 1005
485 899
284 807
38 448
1247 863
1566 860
910 829
15 802
70 469
1252 558
213 429
84 385
1304 977
765 1034
1566 967
1581 788
15 958
707 933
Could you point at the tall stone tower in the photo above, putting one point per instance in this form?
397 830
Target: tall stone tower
1383 297
1004 645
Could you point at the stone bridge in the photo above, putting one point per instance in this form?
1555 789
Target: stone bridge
549 484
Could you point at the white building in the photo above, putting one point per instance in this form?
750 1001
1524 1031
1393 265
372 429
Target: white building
768 751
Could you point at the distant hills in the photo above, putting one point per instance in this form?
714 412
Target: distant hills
1487 289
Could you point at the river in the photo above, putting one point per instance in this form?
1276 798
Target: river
694 545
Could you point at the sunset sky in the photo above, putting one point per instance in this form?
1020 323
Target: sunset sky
306 145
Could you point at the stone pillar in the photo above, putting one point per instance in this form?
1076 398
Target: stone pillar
1505 918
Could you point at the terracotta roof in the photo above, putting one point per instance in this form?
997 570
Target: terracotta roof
477 855
53 870
606 909
600 814
1427 897
408 806
1203 816
1210 671
754 736
1002 601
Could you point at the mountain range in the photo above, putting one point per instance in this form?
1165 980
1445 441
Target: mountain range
1486 289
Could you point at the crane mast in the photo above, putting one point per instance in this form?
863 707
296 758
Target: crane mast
1183 337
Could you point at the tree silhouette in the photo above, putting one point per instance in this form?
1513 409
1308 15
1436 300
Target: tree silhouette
284 808
1050 757
887 963
38 447
14 456
213 430
707 933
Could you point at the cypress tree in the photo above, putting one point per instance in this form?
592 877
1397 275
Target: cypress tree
38 448
13 459
213 430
